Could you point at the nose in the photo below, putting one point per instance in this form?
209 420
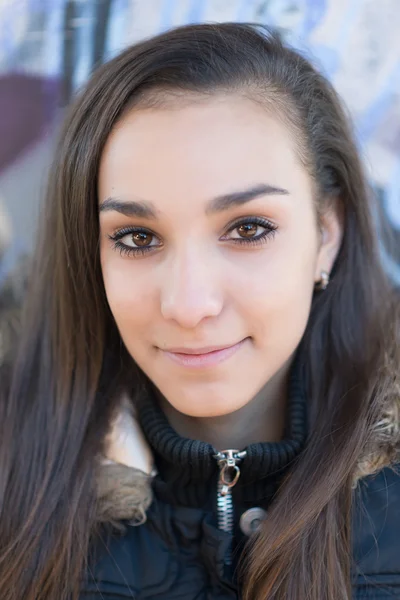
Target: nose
191 290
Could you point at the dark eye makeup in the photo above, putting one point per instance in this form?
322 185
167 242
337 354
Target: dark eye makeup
246 229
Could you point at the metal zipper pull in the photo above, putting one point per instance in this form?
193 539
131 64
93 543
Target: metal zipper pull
228 461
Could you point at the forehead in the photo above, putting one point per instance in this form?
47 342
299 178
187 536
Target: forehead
199 150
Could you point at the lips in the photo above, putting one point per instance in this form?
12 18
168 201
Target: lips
208 356
205 350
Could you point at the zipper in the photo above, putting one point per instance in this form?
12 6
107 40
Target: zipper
229 473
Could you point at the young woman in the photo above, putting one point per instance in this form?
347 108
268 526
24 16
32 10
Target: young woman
205 379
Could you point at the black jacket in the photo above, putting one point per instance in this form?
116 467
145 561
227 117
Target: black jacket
179 552
188 549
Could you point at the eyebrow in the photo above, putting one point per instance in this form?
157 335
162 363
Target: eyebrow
227 201
146 210
131 208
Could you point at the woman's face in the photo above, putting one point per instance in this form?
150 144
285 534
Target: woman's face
210 248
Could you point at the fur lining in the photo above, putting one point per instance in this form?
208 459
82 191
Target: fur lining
124 473
124 493
125 443
383 448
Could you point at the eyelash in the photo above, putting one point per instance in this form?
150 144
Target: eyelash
270 230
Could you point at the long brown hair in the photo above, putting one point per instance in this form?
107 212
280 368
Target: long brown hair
57 399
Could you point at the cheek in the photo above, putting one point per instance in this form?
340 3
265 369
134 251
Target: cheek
276 287
129 295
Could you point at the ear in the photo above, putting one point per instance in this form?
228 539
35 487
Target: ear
331 234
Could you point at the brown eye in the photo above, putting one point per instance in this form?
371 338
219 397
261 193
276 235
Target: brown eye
247 230
135 242
140 238
250 231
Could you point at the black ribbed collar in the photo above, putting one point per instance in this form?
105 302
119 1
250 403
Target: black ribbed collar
187 469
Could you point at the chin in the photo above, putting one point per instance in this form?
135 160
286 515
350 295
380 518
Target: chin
209 409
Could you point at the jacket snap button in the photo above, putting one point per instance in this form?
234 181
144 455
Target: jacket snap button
251 520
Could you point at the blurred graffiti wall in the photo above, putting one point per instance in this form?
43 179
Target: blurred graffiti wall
48 48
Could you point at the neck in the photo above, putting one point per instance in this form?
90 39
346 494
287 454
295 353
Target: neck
260 420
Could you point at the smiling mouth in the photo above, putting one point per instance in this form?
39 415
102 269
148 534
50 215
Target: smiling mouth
202 357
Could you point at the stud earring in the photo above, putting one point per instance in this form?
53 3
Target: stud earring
323 283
